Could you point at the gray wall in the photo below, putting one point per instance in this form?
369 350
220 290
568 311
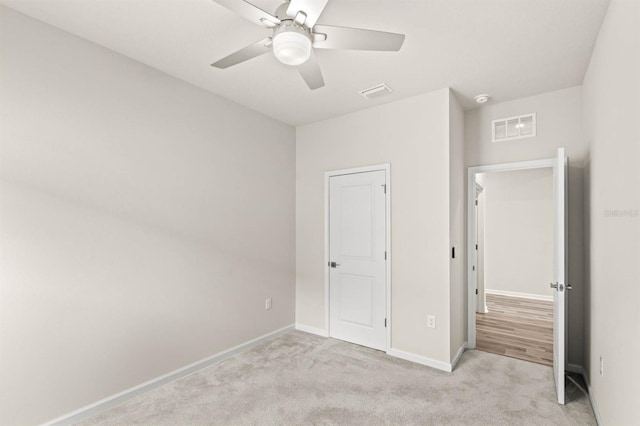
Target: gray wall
143 222
611 116
518 237
413 135
559 125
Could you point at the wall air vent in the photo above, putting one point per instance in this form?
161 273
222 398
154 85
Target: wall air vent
376 91
508 129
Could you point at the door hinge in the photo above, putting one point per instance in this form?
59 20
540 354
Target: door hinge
385 255
476 202
385 323
385 187
476 247
474 267
476 291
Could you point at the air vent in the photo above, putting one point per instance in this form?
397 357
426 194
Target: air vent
376 91
511 128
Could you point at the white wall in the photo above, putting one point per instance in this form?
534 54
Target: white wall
143 222
411 134
559 116
559 124
611 115
457 226
518 237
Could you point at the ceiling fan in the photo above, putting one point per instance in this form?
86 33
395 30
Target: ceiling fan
295 35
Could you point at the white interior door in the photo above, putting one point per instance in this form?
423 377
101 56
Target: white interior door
357 243
560 271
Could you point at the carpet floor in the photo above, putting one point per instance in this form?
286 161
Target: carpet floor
303 379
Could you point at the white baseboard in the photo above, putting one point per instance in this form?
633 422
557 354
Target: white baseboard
458 356
522 295
594 407
312 330
113 400
408 356
579 369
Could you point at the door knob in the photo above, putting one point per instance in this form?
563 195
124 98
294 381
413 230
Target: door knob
553 285
333 264
568 287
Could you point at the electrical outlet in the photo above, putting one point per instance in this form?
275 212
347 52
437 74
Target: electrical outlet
267 304
431 321
601 367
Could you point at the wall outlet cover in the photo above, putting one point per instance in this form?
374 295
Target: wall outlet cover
431 321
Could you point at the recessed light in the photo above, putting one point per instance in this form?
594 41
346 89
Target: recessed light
481 99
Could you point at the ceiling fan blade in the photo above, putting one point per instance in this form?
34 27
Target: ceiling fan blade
311 8
311 73
250 12
355 39
256 49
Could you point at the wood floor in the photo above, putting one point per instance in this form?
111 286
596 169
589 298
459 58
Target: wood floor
518 328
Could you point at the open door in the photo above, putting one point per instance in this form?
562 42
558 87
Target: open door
560 271
481 302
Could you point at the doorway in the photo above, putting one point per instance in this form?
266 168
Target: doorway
558 254
357 283
514 310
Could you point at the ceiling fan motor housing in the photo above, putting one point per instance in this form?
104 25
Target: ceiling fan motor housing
291 43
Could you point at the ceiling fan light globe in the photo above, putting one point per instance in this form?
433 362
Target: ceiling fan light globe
292 47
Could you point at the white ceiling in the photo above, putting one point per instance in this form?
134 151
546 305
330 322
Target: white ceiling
507 48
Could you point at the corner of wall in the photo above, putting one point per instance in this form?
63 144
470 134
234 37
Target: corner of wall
457 294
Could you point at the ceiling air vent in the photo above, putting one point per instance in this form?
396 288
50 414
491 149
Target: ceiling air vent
376 91
508 129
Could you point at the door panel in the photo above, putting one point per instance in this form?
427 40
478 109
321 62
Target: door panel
355 299
357 240
559 271
356 236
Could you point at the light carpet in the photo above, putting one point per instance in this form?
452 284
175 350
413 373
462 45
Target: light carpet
303 379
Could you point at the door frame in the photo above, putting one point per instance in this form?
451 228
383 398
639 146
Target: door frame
327 175
480 226
472 171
